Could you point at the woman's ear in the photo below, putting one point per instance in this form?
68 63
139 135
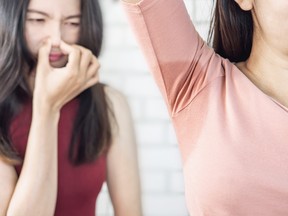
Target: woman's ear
245 5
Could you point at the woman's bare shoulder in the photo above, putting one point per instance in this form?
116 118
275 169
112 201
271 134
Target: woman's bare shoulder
115 97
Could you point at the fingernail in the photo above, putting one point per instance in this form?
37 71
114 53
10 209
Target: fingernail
47 41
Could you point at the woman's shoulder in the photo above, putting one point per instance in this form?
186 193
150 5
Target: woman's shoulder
115 97
120 117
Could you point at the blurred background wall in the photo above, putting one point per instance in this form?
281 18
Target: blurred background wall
124 67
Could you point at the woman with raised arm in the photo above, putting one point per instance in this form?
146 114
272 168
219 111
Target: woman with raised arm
228 104
62 132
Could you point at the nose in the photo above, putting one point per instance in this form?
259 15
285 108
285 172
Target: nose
55 34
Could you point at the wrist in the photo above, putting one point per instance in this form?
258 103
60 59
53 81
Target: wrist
45 111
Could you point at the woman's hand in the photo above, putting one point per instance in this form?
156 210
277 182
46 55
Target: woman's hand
54 87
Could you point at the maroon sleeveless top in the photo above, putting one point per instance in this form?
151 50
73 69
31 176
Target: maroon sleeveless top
78 186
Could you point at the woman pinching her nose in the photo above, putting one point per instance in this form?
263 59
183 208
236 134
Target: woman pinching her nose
57 86
63 133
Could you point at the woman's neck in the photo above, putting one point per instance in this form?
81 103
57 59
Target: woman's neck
267 68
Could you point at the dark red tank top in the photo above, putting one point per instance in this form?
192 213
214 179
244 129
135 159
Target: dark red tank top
78 186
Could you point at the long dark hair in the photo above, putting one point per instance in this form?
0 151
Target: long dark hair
92 130
231 30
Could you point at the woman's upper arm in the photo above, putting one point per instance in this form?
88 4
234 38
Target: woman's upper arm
122 165
181 62
8 180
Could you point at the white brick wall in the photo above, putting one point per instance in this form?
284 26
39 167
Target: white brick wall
123 67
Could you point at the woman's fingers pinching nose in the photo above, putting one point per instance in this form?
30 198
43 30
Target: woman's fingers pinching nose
43 54
66 48
74 54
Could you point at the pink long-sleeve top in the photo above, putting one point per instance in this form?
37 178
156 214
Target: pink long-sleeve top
233 138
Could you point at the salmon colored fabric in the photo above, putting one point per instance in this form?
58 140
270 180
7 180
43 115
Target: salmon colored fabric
233 138
78 187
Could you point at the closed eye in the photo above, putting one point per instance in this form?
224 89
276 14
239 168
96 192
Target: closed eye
74 24
40 20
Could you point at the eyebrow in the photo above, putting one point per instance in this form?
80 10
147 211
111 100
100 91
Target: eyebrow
73 16
47 15
36 11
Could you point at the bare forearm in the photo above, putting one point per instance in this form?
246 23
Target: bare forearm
36 189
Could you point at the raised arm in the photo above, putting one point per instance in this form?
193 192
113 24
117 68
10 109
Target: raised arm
122 176
181 62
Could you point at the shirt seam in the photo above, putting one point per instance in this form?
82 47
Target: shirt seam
175 114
